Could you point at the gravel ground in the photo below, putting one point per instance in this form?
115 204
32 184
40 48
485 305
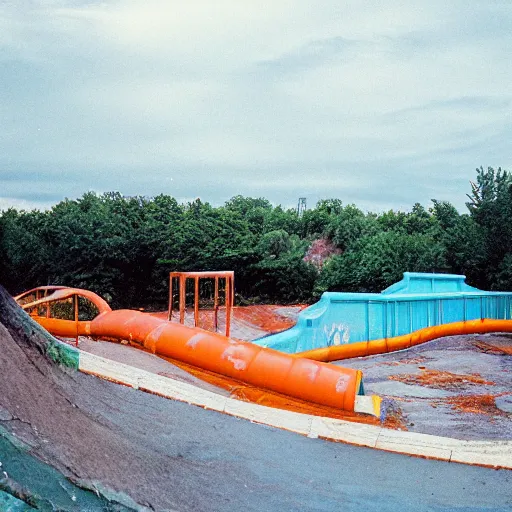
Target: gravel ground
447 387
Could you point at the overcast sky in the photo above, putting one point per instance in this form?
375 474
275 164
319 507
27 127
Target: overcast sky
379 103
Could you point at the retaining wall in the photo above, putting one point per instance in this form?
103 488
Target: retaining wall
417 301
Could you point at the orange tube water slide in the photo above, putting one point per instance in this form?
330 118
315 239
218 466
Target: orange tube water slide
261 367
300 378
384 345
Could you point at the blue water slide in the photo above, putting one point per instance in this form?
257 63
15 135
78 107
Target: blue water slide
419 300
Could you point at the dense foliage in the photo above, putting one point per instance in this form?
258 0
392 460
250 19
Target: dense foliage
124 247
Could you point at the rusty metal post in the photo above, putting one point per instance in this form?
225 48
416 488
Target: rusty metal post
216 305
171 298
229 295
196 301
76 317
232 279
183 282
227 291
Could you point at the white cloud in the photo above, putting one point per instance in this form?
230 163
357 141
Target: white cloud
267 98
23 204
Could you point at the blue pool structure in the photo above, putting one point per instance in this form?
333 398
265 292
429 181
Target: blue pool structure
419 300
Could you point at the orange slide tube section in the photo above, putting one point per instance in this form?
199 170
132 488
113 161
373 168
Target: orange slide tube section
384 345
300 378
307 380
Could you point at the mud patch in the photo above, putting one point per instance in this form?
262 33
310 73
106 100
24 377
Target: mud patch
442 379
418 360
476 404
499 347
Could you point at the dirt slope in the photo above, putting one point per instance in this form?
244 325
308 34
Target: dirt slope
54 410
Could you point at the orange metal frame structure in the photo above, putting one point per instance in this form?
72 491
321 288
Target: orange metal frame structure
181 279
58 326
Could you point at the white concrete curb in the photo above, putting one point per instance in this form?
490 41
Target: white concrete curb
486 453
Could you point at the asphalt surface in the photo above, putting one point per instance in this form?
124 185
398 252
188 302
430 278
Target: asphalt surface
215 462
168 455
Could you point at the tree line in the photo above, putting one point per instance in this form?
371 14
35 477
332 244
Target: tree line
123 248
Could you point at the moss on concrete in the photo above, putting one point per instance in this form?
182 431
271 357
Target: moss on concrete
62 354
56 350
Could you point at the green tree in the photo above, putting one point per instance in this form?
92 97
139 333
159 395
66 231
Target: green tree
281 274
490 206
349 225
380 260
